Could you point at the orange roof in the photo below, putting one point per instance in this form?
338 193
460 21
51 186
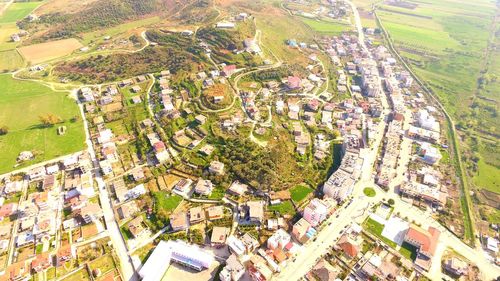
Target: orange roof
427 239
14 271
348 247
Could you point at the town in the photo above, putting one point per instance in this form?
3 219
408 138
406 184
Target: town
332 166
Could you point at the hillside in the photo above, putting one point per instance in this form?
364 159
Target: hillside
97 15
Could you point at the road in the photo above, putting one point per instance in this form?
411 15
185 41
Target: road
5 6
357 212
126 265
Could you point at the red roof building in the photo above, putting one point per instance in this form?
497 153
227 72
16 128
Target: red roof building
8 210
228 70
425 241
348 246
294 82
41 262
159 146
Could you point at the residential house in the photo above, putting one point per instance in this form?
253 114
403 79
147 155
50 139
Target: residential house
215 212
203 187
196 215
136 227
219 236
216 167
179 221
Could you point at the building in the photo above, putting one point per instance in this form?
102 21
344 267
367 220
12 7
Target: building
184 188
136 227
179 221
316 211
203 187
196 215
174 251
237 188
253 212
425 241
348 247
278 240
216 167
215 212
219 235
456 266
233 271
302 231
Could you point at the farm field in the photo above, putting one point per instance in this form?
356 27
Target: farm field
10 61
25 133
445 43
6 30
37 53
18 10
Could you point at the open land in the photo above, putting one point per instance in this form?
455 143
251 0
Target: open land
38 53
21 104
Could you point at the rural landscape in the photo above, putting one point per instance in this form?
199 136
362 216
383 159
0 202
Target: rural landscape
249 140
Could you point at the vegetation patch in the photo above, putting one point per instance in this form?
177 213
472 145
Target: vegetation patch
300 192
283 208
26 131
166 202
370 192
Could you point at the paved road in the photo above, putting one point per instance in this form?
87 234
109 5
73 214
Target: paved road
126 265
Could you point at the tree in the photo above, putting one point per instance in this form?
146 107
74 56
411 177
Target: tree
391 202
4 130
49 119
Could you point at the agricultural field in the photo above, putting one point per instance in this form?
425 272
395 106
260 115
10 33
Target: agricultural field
25 130
42 52
18 10
10 61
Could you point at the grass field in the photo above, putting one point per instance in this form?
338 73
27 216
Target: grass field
376 229
166 202
300 192
284 208
18 10
6 30
21 103
10 60
325 27
37 53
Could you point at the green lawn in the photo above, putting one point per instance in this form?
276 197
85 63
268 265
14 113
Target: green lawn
370 192
408 251
166 201
488 177
21 104
376 229
300 192
18 11
285 207
326 27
